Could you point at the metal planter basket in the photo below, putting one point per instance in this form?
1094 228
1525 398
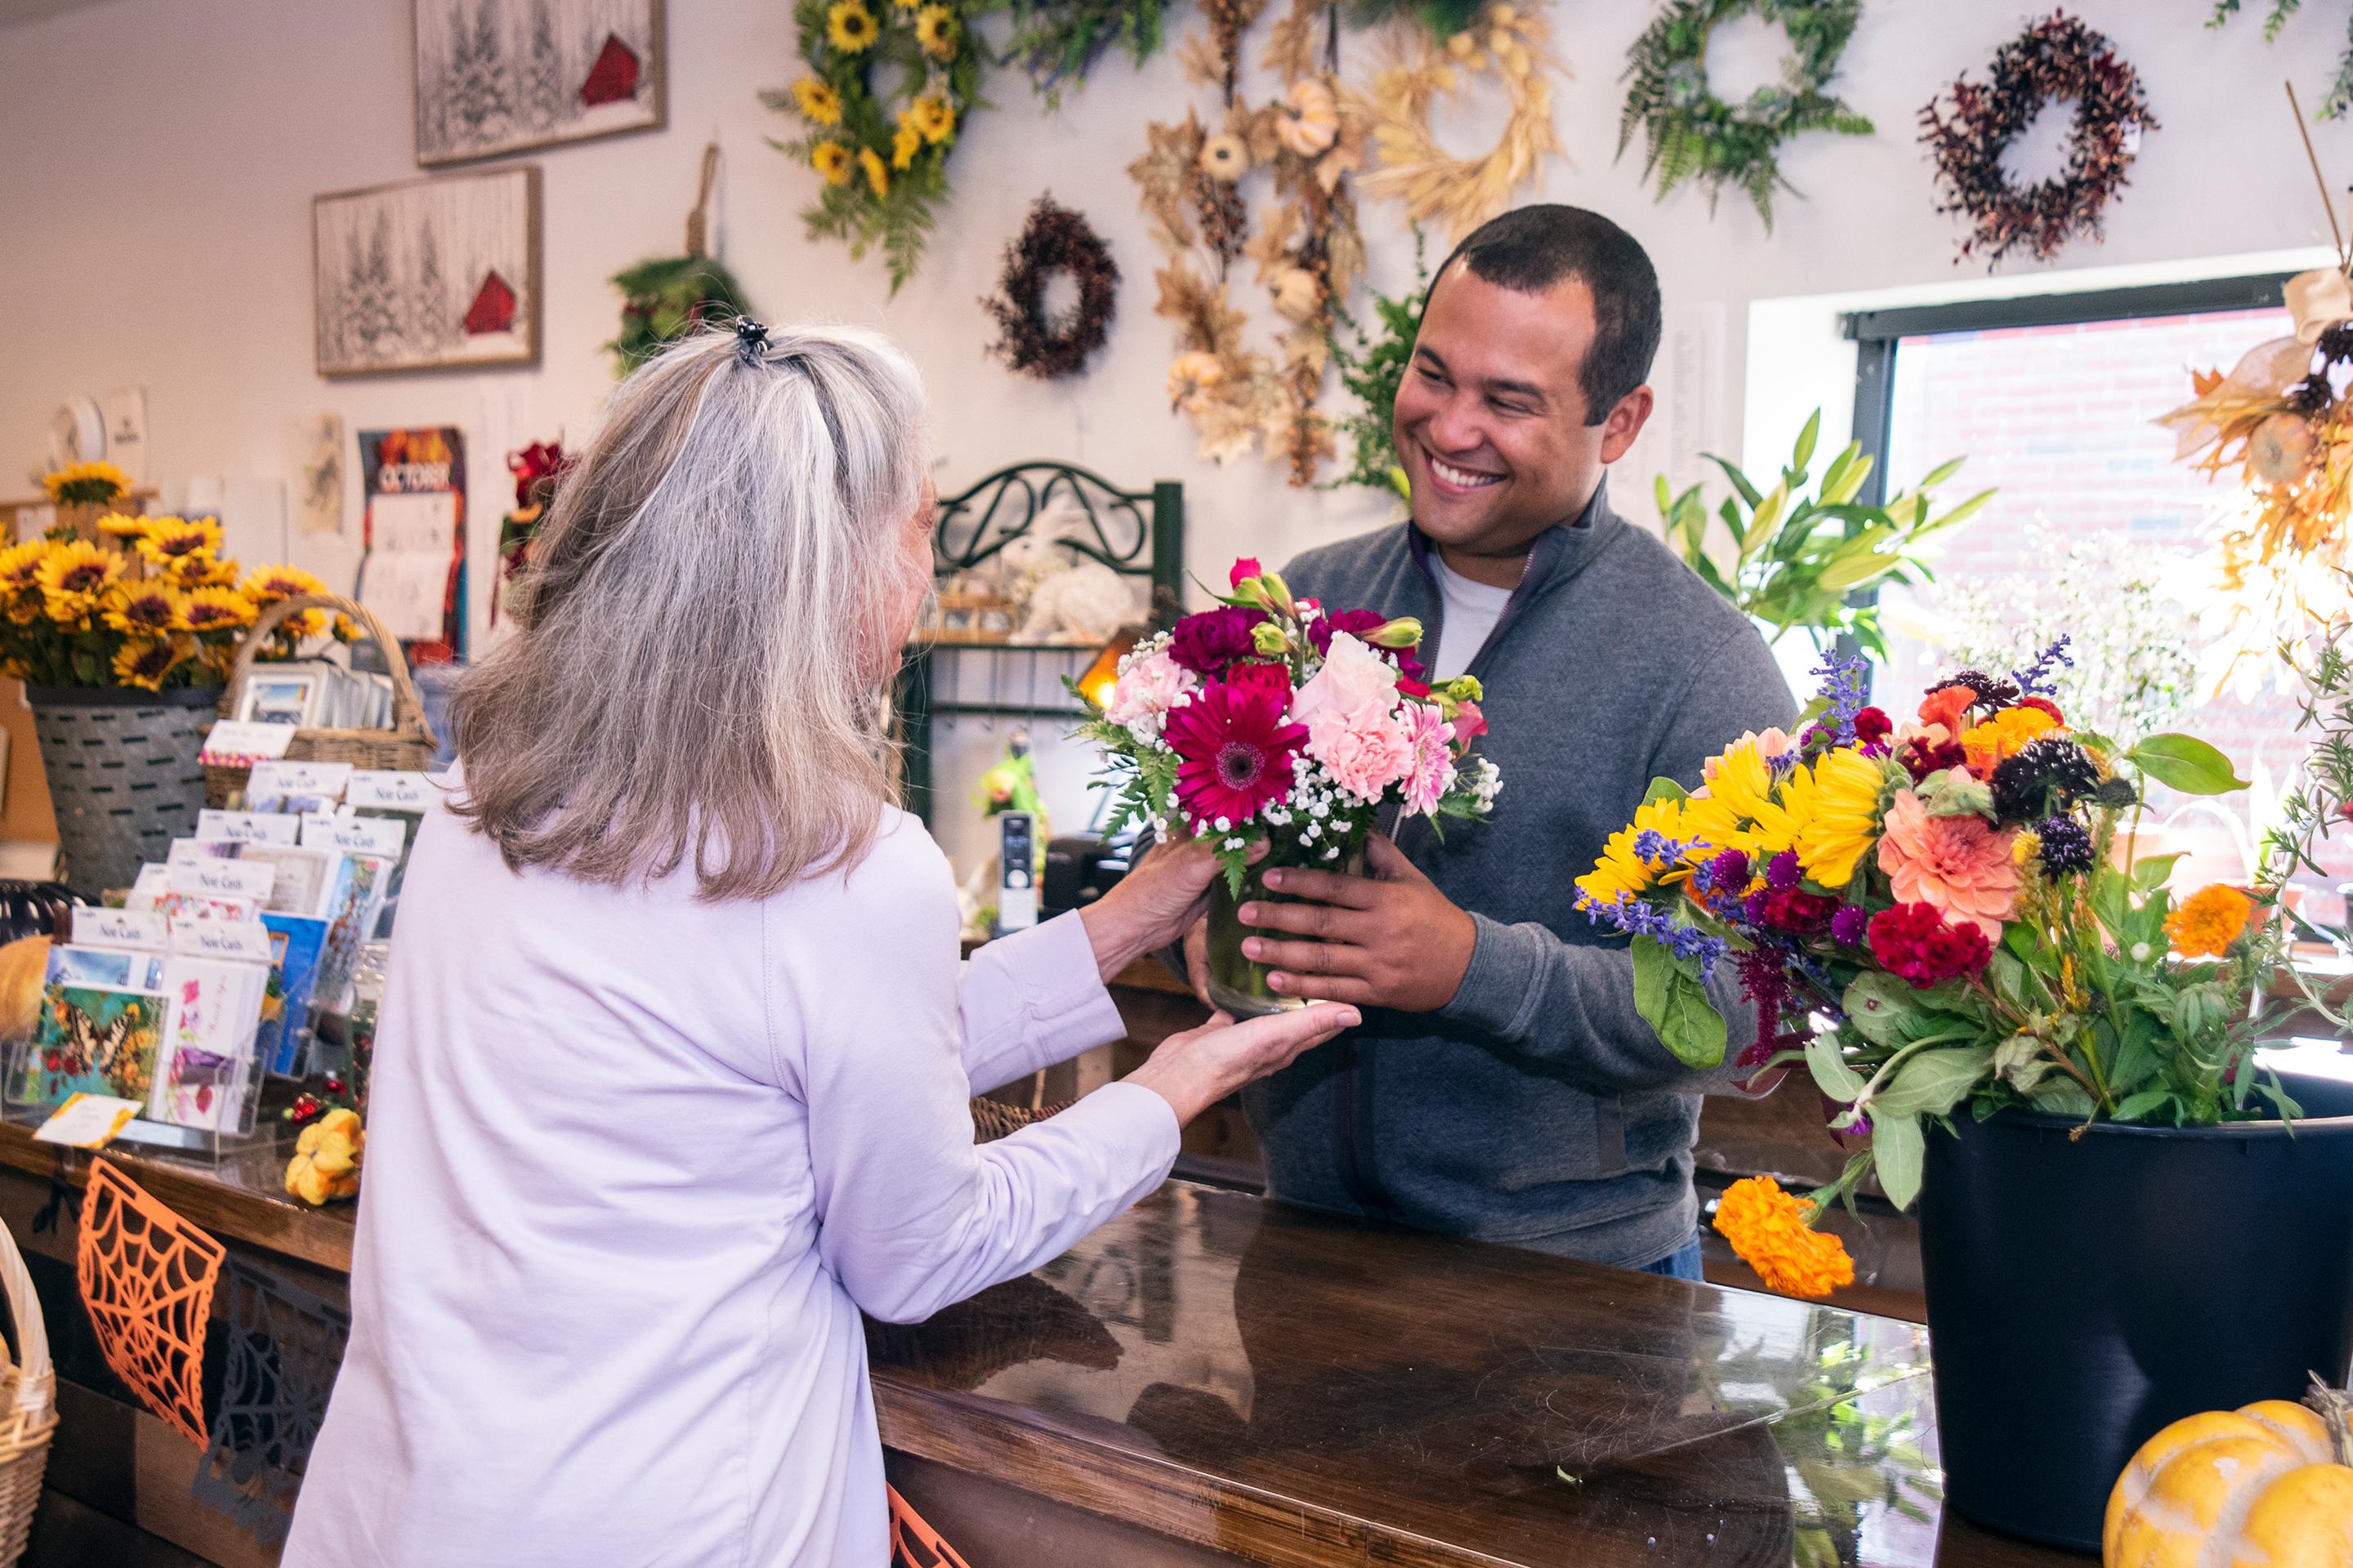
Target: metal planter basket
123 776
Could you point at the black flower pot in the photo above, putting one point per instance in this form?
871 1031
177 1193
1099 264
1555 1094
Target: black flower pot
2084 1291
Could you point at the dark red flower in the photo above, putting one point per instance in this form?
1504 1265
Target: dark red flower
1920 758
1801 913
1237 752
1413 688
1206 643
1257 675
1361 624
541 461
1871 728
1913 942
1247 567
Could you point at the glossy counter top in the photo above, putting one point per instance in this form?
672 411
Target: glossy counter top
1292 1389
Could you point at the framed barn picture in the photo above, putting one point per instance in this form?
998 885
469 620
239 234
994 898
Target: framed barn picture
504 76
429 275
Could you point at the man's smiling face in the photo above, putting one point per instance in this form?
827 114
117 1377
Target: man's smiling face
1491 419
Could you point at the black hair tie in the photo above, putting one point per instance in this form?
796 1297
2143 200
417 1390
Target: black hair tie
751 340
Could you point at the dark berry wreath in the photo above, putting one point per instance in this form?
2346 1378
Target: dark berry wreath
1054 239
2057 57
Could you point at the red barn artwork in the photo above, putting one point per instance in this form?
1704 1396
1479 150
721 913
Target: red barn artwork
614 78
493 309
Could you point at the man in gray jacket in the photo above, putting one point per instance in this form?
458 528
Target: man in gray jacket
1503 1085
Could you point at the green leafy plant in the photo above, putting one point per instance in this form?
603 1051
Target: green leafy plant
1060 41
2340 86
2320 801
1371 371
1799 560
667 296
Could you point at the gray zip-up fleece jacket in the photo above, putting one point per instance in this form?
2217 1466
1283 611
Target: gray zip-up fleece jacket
1536 1108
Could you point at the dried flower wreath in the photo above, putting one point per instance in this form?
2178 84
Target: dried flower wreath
1031 342
1435 184
1308 251
2055 58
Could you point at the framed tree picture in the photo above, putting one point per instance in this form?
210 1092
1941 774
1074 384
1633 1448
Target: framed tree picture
427 275
502 75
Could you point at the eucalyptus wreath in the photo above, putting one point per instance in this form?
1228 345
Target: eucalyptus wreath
2055 59
1690 133
883 159
1031 341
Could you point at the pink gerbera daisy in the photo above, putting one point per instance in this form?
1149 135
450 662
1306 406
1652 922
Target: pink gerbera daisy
1237 752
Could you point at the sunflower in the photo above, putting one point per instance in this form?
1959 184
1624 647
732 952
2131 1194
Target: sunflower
267 585
200 568
215 610
81 483
2207 921
820 103
933 115
74 577
1623 872
1772 1233
935 30
878 176
170 540
20 568
832 160
851 26
146 610
905 142
124 526
1840 801
145 661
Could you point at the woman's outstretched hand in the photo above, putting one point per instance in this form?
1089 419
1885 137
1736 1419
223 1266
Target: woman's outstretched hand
1160 899
1195 1070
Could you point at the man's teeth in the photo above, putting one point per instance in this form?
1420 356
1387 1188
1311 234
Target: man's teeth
1463 478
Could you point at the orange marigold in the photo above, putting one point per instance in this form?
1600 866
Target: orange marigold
2205 924
1773 1234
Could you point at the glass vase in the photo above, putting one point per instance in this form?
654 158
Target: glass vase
1237 984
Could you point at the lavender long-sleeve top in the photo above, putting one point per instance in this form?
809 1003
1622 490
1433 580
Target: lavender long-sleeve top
636 1164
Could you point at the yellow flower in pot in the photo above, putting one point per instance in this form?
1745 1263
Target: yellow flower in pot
2268 1484
326 1164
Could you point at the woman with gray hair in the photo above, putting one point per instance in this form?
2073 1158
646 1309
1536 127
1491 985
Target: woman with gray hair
672 1073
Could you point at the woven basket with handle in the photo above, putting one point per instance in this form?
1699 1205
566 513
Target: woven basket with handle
407 746
28 1406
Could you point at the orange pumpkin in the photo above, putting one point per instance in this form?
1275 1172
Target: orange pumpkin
2267 1486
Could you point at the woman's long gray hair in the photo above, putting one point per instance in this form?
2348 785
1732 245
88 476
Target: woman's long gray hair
690 675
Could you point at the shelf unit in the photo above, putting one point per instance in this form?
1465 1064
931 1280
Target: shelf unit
1136 533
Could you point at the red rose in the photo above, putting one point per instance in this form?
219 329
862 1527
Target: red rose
1256 676
1247 567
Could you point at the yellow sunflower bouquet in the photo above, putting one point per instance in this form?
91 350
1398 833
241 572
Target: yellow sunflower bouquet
151 603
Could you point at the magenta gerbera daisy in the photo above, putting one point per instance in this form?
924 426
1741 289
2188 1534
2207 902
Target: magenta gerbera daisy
1237 752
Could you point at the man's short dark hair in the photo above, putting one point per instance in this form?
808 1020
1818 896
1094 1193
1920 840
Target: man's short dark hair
1530 248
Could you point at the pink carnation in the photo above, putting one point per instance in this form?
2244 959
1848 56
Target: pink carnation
1958 865
1429 770
1148 686
1364 752
1470 723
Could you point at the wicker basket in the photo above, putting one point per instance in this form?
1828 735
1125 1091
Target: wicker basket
28 1406
407 746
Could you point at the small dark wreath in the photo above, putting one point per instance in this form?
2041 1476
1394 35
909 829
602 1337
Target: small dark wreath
2056 59
1030 341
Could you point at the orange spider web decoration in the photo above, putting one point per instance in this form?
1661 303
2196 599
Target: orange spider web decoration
913 1544
147 1278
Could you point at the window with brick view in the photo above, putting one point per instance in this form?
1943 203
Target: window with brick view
2058 418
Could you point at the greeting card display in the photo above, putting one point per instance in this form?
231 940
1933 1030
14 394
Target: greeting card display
92 1039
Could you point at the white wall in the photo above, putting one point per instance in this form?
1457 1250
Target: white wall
159 158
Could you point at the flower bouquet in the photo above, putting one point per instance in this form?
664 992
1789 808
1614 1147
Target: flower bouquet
1274 721
1943 912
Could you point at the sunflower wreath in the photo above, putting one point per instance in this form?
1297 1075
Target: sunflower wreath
883 169
1030 341
2056 58
1435 186
1308 251
1690 133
